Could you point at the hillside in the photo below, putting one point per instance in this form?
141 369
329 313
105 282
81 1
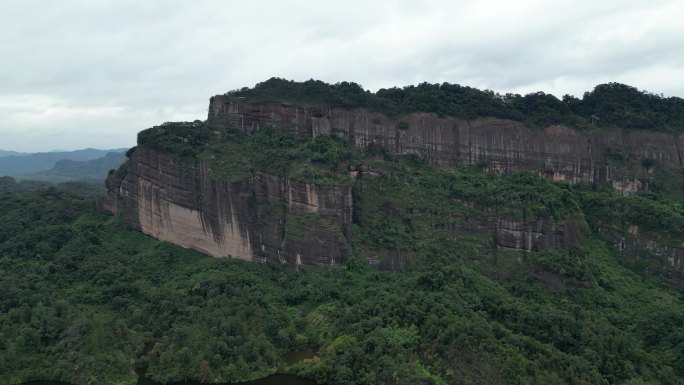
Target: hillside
284 184
94 170
392 247
18 165
81 286
12 153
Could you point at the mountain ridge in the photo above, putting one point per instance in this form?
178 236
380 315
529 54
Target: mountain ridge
607 105
83 170
18 165
189 164
437 251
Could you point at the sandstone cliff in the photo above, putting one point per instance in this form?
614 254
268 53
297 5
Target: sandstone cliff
624 158
558 152
266 218
263 218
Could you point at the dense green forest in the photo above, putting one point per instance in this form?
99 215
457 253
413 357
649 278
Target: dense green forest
67 170
87 300
614 104
20 164
78 187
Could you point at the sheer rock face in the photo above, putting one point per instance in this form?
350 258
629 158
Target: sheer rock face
537 235
507 234
263 218
647 253
269 219
558 152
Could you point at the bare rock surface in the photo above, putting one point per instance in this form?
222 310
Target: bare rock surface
280 221
183 204
557 152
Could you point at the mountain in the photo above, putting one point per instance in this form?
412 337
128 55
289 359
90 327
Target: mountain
4 153
408 236
70 170
274 182
17 165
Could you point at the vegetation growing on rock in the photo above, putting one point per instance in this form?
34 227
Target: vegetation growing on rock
615 104
459 293
83 295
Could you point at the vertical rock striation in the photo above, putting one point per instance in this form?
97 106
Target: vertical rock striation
557 152
262 218
279 221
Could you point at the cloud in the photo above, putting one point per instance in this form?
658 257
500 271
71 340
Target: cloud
43 123
107 69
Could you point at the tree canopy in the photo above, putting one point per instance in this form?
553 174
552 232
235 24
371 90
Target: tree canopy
614 104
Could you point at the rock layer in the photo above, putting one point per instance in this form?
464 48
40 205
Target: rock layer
647 253
262 218
279 221
557 152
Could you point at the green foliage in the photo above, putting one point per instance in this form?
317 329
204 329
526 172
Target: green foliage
86 300
9 184
572 263
616 105
233 155
312 93
78 187
660 216
181 138
624 106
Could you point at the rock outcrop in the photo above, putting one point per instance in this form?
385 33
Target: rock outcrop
537 235
262 218
557 152
271 219
656 256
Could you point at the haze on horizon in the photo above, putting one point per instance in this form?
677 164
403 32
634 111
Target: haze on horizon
79 74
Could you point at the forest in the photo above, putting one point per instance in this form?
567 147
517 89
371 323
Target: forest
607 105
87 300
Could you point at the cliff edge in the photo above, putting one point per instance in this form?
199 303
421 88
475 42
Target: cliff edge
623 157
262 218
290 201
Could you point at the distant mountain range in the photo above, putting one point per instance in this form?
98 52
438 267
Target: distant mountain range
26 165
66 170
11 153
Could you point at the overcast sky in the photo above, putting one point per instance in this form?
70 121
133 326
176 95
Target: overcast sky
92 73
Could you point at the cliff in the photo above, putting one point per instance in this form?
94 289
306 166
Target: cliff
243 210
618 156
625 158
261 218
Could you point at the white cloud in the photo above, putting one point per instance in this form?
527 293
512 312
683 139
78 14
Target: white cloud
43 123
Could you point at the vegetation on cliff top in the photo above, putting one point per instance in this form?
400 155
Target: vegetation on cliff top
233 155
614 104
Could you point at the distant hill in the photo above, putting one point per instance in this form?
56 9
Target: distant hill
19 165
70 170
12 153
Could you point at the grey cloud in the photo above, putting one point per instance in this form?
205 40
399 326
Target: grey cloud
111 68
